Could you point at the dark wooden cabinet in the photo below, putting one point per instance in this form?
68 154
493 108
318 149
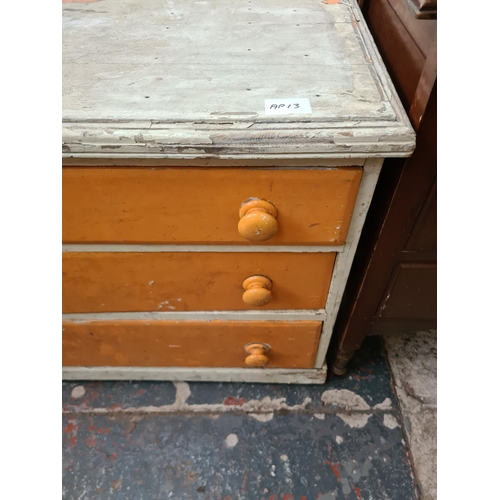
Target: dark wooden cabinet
393 282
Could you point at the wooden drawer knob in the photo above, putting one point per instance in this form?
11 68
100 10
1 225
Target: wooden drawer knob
257 355
257 291
257 220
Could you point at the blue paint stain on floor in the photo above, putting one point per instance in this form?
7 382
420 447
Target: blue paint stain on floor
128 440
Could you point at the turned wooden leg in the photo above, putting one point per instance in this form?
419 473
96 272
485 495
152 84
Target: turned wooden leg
340 361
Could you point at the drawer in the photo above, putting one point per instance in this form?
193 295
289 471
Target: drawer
194 281
291 344
206 205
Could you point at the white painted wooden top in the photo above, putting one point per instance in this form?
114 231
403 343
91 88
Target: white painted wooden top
189 79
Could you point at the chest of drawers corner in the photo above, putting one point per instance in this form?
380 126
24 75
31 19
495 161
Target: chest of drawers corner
205 238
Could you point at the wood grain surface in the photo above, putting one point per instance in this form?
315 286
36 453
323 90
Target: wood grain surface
186 343
190 80
211 62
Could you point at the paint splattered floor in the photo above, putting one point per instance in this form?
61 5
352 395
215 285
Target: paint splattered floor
151 440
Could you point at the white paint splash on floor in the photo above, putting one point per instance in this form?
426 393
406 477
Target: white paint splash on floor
355 420
262 417
78 392
259 409
182 393
390 422
345 399
262 410
232 440
386 404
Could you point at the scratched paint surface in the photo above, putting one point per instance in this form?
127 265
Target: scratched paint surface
341 440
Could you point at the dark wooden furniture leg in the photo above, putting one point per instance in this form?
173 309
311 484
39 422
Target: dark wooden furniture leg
340 361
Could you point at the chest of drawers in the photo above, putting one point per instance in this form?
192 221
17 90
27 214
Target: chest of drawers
219 158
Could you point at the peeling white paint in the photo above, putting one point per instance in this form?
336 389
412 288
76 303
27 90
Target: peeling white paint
273 468
232 440
385 405
339 439
151 282
390 422
320 416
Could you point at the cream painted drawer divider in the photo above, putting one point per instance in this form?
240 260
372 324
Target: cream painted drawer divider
312 314
114 248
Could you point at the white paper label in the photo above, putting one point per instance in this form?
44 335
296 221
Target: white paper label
287 106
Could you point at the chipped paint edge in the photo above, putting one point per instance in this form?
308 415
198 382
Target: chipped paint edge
158 161
374 138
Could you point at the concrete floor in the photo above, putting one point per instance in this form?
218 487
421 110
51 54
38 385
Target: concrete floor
346 439
413 361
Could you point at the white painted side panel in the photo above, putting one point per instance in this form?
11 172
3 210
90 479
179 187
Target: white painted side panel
343 263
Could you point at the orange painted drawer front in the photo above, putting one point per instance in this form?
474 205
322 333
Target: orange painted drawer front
201 205
190 344
120 282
